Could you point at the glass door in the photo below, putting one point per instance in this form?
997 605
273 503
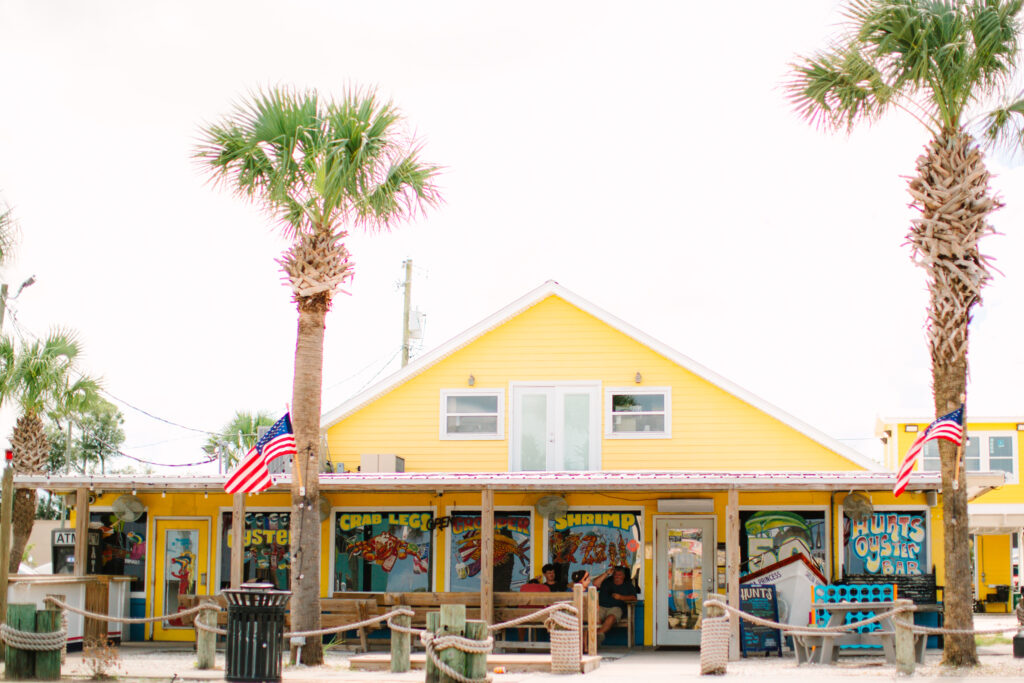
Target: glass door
556 427
684 576
180 573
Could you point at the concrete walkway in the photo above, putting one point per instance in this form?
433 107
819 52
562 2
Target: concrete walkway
154 662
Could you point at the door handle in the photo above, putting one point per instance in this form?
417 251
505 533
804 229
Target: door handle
202 579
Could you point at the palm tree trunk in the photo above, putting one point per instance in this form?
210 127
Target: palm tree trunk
23 515
305 522
951 192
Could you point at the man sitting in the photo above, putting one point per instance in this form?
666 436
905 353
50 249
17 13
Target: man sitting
612 596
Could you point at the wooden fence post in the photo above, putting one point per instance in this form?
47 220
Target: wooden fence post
592 613
453 623
904 639
47 666
400 644
20 663
433 674
206 641
577 602
476 664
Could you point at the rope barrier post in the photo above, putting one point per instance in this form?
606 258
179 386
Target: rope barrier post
433 674
47 665
20 663
400 644
592 613
206 641
715 634
577 602
453 623
476 662
904 638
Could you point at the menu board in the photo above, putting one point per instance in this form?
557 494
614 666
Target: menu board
760 601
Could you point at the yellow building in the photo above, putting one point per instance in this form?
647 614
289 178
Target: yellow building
598 446
997 517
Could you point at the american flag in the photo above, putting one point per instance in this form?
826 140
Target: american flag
252 474
949 427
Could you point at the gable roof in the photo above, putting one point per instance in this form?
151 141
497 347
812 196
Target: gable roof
552 288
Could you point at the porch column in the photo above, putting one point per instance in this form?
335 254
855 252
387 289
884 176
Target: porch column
81 530
732 564
237 538
487 555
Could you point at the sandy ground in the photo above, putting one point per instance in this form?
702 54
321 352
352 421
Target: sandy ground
149 662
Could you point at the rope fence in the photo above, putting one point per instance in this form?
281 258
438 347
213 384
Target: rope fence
715 647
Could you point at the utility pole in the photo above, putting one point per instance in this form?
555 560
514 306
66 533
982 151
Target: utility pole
405 313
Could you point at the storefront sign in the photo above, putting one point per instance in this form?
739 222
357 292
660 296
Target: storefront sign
887 543
761 602
267 555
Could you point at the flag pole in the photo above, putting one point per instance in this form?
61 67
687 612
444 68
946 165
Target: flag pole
958 462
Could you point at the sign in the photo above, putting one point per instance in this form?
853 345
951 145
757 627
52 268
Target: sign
887 543
761 602
512 556
64 537
595 539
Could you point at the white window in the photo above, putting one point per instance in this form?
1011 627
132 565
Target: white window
634 413
983 452
472 414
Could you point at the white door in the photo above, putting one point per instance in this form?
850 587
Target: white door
556 427
684 569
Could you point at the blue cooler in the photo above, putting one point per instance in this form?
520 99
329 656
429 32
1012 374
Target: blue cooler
137 609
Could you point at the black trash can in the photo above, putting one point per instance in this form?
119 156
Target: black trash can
255 632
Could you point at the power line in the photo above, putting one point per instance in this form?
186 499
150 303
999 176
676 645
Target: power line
157 417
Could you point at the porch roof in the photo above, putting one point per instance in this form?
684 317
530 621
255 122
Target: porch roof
658 481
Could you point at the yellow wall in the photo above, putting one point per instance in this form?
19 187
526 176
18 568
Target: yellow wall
994 567
552 342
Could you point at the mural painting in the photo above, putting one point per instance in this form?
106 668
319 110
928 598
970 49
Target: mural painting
768 536
383 551
512 555
267 556
594 540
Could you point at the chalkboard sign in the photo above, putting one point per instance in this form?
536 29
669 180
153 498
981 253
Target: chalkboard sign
760 601
917 587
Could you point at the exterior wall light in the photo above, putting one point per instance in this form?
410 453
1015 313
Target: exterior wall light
471 381
639 378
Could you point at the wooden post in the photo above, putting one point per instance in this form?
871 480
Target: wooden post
732 563
592 612
904 639
20 663
577 602
476 664
238 539
97 599
433 674
6 508
81 530
48 661
206 641
487 555
400 644
453 623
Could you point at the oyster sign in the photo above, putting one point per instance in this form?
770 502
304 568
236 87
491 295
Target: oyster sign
887 543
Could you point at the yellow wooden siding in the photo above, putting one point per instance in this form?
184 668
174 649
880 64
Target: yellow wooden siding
556 342
1009 493
994 567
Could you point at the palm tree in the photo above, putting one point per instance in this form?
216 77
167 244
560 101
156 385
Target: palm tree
319 168
38 376
8 232
943 62
239 435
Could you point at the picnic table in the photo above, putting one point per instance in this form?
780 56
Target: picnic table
826 647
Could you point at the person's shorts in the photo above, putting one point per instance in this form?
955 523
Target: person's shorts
603 612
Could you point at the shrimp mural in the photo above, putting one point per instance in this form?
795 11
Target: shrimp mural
595 540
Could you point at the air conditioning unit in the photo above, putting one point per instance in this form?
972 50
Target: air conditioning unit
381 462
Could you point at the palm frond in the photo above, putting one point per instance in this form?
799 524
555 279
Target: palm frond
838 89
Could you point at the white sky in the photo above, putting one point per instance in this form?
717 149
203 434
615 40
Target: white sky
642 154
